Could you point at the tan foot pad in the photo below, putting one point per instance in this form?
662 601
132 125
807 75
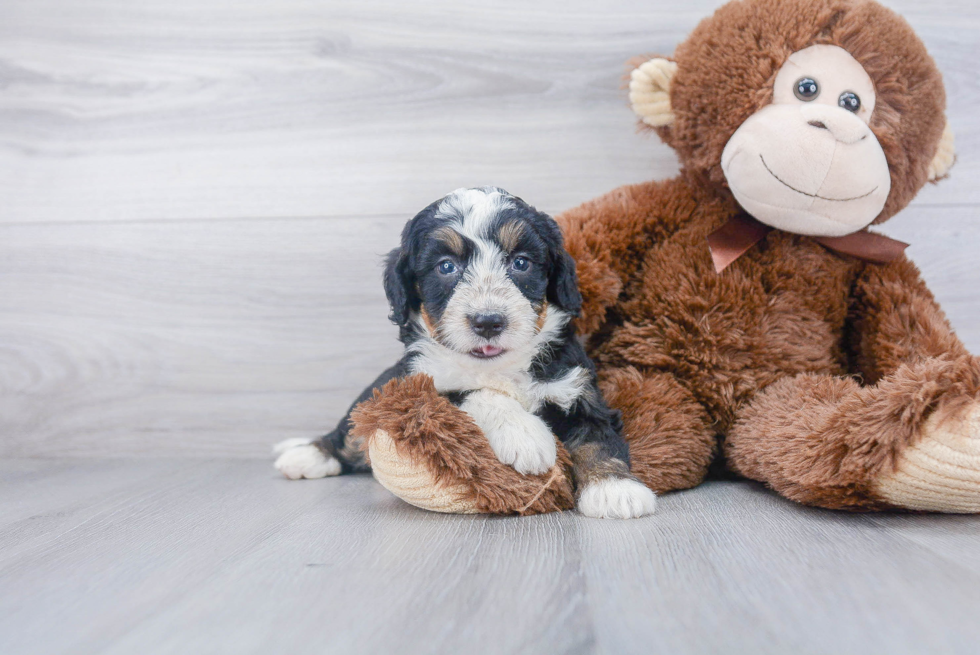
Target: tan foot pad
941 472
413 483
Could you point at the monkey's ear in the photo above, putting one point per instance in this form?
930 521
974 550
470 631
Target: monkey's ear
399 286
945 156
650 91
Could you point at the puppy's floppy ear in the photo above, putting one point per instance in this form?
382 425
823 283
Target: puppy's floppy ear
563 283
399 285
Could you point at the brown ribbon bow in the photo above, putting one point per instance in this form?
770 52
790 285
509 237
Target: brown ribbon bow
740 233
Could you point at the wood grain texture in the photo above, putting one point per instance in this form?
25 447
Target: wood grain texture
179 556
217 338
213 338
196 195
113 110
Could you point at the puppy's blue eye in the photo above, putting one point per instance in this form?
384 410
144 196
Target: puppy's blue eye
521 264
446 267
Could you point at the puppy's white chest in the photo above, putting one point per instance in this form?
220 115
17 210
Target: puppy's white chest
519 385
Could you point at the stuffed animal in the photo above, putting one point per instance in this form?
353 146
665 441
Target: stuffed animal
429 453
741 312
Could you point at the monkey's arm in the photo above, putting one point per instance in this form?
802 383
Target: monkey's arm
896 322
905 434
609 237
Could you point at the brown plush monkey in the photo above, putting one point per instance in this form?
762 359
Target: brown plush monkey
831 377
800 348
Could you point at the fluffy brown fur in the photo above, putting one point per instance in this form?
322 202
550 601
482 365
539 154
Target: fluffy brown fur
824 440
435 435
668 431
815 369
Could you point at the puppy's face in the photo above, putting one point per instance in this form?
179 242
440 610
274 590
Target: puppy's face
477 271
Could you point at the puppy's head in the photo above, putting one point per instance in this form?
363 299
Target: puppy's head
478 272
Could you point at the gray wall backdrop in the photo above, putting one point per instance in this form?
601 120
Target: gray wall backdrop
195 195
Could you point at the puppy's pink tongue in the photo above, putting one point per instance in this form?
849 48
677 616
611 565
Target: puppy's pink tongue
491 351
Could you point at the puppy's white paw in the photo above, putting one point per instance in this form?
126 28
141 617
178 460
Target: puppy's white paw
616 498
298 458
526 443
517 437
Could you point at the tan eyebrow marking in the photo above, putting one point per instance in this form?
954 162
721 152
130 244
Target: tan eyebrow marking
451 238
509 235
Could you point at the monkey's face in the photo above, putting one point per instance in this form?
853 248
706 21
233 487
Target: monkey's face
808 163
816 116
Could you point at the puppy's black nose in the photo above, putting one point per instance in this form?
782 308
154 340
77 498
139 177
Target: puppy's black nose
488 325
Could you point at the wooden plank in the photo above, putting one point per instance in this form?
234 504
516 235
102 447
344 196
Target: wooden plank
951 537
96 573
377 576
731 567
156 337
213 110
219 338
225 557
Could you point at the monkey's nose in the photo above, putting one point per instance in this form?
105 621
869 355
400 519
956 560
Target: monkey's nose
844 126
488 325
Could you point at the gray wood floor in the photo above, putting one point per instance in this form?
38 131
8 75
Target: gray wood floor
194 199
194 556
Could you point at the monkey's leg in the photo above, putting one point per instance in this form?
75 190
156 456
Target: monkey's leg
671 445
910 441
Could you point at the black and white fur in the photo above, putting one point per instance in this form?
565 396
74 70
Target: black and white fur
483 293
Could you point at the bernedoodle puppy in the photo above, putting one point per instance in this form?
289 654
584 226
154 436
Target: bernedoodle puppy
483 294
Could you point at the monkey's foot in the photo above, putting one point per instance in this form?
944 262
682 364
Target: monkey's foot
939 472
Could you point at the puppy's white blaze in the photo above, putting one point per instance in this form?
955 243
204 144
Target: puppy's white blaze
476 206
486 289
298 458
617 498
564 391
518 438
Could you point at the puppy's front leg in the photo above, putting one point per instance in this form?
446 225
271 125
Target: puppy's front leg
607 489
518 438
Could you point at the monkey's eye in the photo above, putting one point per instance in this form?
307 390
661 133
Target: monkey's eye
521 264
446 267
807 89
849 101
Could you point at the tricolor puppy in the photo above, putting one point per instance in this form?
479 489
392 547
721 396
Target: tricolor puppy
483 291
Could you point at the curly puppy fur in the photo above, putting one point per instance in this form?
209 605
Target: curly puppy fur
483 293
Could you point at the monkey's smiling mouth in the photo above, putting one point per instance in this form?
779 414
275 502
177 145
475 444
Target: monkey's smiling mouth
812 195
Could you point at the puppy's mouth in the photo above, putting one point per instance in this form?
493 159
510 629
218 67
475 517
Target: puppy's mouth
487 352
